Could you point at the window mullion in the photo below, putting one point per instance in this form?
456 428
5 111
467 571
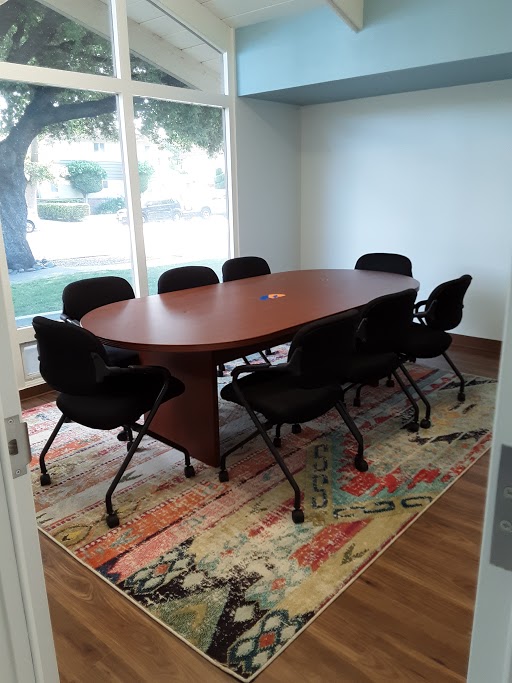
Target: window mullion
122 69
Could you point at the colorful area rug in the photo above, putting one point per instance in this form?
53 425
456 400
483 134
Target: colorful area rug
221 564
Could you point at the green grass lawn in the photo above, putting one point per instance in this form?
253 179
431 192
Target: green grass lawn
44 294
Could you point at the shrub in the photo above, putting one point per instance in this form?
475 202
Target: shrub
63 212
68 200
111 205
86 176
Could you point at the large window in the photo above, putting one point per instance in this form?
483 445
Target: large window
184 205
112 150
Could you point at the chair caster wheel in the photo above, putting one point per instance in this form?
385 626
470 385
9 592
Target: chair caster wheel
112 520
413 427
190 471
296 429
223 476
425 424
277 441
357 403
220 373
361 465
123 435
298 516
461 396
45 479
390 383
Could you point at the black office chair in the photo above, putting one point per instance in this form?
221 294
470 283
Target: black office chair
429 338
82 296
186 277
74 363
242 267
300 390
383 321
385 263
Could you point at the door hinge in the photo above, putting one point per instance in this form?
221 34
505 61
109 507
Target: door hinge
18 444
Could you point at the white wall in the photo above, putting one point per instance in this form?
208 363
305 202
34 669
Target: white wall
427 174
268 158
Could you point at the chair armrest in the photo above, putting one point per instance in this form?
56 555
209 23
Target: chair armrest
421 315
67 319
260 367
418 305
103 370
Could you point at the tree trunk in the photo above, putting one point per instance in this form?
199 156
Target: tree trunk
39 113
31 191
13 209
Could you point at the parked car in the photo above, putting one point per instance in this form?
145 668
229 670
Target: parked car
204 206
31 220
157 210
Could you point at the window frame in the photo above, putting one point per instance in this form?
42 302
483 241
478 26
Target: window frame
210 29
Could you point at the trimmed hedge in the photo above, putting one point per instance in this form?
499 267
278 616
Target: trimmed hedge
63 212
68 200
111 205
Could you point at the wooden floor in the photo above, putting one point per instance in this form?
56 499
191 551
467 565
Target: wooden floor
407 618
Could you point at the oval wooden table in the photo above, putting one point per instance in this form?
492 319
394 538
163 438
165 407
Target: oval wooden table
193 330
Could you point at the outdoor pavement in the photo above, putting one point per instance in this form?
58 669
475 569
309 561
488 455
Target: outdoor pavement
100 242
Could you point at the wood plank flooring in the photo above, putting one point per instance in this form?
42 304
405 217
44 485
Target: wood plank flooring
406 619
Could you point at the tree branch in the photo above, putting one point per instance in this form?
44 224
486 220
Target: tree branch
9 14
41 113
38 39
81 110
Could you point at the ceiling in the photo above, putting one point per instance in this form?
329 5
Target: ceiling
237 13
159 38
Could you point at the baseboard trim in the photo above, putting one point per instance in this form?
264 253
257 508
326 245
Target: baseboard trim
36 390
490 347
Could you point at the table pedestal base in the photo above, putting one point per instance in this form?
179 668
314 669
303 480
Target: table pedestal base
192 419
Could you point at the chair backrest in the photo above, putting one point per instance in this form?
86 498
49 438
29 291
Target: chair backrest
323 346
385 320
244 266
186 277
385 263
446 303
82 296
65 356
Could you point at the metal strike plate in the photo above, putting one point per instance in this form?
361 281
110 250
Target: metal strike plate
18 444
501 544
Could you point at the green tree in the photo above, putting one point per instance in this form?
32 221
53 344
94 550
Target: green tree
220 179
31 33
86 176
145 173
36 171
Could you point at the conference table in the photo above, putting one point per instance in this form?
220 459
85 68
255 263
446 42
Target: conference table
192 331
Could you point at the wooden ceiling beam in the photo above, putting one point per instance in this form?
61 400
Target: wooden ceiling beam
94 15
351 11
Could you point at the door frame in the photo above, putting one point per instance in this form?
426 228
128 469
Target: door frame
27 651
491 645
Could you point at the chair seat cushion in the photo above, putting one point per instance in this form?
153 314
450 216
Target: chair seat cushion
281 399
121 358
366 367
421 341
118 401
